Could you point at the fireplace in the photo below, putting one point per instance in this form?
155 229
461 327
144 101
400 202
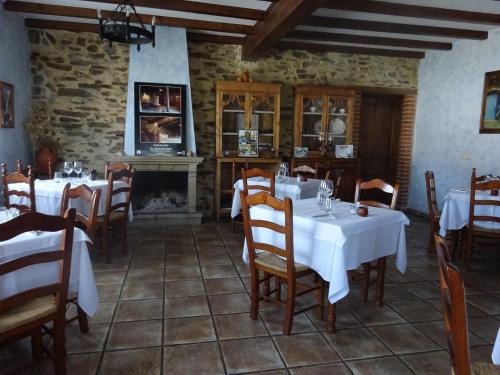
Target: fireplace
164 188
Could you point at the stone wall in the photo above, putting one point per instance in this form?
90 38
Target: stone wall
80 92
211 62
79 95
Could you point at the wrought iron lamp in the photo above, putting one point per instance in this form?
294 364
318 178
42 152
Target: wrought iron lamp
117 27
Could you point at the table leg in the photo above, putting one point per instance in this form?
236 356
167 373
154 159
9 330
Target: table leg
381 263
332 317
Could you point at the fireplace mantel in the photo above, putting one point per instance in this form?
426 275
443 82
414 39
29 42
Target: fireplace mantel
170 164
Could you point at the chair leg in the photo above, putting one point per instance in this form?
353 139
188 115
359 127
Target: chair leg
366 280
37 346
381 263
59 348
254 309
430 244
277 286
124 236
82 320
321 296
468 253
104 244
290 308
332 317
267 285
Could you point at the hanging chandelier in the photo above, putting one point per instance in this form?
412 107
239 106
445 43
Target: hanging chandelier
117 27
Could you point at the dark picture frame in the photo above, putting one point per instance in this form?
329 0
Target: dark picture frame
160 119
7 119
490 109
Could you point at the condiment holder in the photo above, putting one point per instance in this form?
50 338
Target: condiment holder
494 192
363 211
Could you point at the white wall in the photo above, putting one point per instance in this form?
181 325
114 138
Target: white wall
447 138
166 63
15 69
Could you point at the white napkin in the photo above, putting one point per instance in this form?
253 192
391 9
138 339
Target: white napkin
495 356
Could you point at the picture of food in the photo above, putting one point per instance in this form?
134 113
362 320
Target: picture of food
161 129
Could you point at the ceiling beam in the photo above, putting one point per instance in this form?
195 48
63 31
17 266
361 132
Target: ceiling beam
362 39
398 28
213 38
351 50
416 11
61 25
89 13
197 7
281 17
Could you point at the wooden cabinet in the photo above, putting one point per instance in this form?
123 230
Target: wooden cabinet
243 106
323 118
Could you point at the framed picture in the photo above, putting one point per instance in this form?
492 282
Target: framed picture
490 111
300 152
344 151
6 105
248 143
160 119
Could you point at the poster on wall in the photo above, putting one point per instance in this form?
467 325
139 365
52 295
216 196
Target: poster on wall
160 119
6 105
490 113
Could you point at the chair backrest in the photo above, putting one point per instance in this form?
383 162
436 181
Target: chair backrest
25 171
479 185
430 183
117 168
16 177
32 221
454 310
127 176
377 184
257 172
338 182
305 169
285 206
86 221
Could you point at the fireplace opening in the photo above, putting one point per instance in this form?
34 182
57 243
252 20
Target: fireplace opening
160 192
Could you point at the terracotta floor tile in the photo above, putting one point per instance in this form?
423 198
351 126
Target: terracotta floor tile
144 309
330 369
428 363
404 338
415 311
237 326
108 292
305 349
189 330
132 335
182 273
109 277
374 315
137 362
487 303
77 364
93 341
152 275
184 307
142 291
185 288
386 366
203 359
486 328
224 286
274 320
181 261
229 303
357 343
217 272
256 354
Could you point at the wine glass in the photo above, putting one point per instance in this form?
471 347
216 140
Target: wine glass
77 167
320 198
68 168
328 187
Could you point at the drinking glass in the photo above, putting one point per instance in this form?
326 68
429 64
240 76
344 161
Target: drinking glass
68 167
77 167
86 176
58 177
320 198
328 187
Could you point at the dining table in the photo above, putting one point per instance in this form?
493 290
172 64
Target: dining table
455 212
48 195
495 355
334 243
284 187
81 282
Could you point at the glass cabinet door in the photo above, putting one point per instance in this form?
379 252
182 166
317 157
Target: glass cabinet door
233 119
312 122
262 119
337 121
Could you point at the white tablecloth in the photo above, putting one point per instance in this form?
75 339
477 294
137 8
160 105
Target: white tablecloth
291 188
333 246
81 276
455 214
495 356
49 196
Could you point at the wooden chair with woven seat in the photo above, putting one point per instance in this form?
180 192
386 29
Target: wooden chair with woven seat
16 177
434 214
454 311
476 226
25 314
275 261
86 222
392 191
116 213
309 172
41 173
116 167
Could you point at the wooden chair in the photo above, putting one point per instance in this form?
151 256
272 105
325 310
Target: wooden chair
118 167
434 214
116 213
257 172
338 182
16 177
383 186
274 261
86 222
311 172
41 173
473 229
25 314
455 316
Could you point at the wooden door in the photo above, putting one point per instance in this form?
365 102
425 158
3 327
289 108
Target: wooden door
379 137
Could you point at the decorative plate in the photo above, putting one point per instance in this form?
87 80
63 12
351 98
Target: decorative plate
317 127
337 126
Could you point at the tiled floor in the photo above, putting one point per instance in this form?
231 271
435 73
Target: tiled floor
179 303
